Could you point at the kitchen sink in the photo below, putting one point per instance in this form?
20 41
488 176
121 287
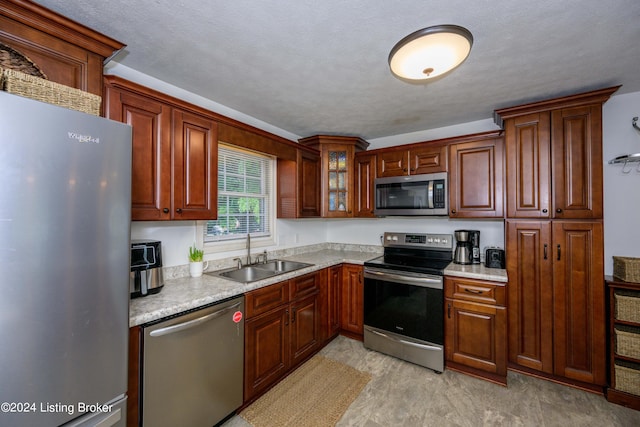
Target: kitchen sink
282 266
253 273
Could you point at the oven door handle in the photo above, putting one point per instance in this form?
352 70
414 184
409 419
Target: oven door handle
413 344
425 282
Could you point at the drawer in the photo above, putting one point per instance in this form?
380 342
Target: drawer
627 341
627 377
627 306
475 290
264 299
304 285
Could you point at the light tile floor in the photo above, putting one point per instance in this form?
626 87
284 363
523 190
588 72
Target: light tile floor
403 394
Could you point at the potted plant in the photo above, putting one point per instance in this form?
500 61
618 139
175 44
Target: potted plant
195 261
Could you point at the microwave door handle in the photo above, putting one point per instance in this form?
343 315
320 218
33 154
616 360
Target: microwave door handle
430 195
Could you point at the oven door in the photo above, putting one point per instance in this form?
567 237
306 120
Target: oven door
404 316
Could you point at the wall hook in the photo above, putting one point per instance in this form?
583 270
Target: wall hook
634 123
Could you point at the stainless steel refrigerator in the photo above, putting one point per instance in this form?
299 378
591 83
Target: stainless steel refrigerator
65 203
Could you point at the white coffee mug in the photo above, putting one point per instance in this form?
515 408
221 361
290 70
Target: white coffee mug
196 268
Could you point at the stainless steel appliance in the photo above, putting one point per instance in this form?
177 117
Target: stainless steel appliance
412 195
404 298
463 251
193 366
65 204
146 268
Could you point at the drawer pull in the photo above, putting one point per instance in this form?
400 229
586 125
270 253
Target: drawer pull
473 291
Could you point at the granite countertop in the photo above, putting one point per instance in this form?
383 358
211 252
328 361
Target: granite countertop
476 271
186 293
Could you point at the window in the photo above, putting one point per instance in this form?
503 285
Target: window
245 182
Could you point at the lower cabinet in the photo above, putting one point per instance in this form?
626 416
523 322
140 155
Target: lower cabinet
282 329
557 313
352 300
476 328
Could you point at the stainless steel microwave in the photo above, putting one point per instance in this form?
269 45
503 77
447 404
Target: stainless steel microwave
425 194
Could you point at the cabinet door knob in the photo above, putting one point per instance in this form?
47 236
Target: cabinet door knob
559 210
558 252
179 210
545 251
453 211
165 210
544 211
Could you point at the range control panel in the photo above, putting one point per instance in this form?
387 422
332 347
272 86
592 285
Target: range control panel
418 240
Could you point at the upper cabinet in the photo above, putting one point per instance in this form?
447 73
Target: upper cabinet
66 51
476 176
365 168
299 185
338 177
412 160
554 157
175 152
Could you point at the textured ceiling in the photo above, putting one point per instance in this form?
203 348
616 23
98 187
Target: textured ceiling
320 67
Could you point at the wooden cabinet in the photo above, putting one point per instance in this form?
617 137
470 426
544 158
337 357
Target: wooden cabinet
624 342
365 170
352 296
66 51
299 185
195 166
175 152
331 299
414 160
555 262
476 177
282 329
476 328
337 172
556 299
554 157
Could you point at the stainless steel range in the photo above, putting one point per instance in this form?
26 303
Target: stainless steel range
404 298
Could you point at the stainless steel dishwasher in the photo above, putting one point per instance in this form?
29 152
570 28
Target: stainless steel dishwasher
193 366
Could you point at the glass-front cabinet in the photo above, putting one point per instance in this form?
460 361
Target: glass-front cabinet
338 176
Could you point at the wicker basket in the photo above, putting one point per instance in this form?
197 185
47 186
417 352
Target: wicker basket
627 379
627 308
627 342
13 60
627 268
43 90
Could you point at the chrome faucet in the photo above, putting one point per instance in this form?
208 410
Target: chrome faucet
239 263
248 249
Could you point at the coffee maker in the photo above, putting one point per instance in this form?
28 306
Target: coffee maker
463 252
474 238
467 247
146 268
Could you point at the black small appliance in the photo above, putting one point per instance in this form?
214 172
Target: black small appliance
146 268
494 258
474 240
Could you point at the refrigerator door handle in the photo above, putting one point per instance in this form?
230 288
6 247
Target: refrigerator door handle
192 323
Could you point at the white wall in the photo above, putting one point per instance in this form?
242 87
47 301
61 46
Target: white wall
621 191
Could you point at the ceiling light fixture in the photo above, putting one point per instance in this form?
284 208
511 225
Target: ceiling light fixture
430 52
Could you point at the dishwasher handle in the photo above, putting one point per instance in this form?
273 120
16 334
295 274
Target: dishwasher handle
192 323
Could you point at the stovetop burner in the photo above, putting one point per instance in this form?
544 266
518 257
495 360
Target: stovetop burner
415 252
